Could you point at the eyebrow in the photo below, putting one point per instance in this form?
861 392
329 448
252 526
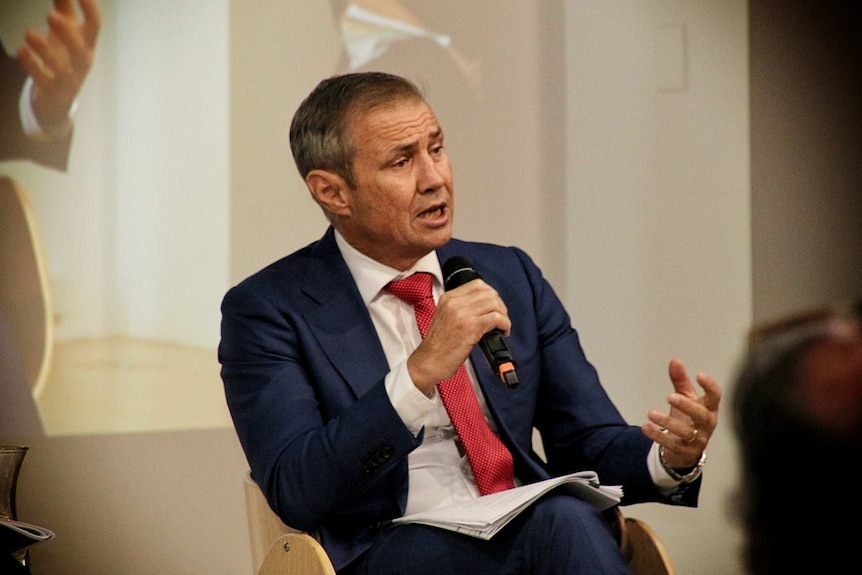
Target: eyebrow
437 135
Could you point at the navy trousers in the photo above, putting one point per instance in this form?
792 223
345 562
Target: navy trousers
558 535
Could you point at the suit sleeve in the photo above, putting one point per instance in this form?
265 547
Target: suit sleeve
14 143
581 427
317 451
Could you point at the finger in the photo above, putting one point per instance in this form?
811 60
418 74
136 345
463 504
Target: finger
478 296
92 21
686 406
36 42
679 428
654 432
35 66
70 40
712 391
64 7
66 38
496 315
692 442
52 55
679 378
489 304
690 415
63 37
31 64
478 310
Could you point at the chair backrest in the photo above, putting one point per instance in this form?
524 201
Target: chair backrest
645 552
277 549
25 294
264 526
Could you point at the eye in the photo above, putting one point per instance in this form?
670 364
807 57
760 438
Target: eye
437 150
401 163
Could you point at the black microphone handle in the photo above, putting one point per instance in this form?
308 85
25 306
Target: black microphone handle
499 357
457 271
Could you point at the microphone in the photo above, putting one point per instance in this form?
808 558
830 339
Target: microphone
457 271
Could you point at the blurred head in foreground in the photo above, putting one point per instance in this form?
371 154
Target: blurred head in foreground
797 408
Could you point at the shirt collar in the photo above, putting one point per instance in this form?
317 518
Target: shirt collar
371 276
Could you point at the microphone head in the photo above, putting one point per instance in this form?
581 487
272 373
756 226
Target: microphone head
457 271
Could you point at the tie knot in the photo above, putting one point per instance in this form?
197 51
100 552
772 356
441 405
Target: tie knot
412 289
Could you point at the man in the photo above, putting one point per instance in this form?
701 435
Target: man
798 396
334 390
38 89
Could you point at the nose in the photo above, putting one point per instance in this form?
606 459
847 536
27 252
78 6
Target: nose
431 172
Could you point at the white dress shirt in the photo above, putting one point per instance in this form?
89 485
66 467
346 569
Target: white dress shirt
439 473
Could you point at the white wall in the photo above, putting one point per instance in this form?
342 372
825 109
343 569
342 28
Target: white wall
658 222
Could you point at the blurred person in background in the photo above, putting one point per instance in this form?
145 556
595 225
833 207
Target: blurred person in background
797 407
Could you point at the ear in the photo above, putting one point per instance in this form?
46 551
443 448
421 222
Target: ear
329 190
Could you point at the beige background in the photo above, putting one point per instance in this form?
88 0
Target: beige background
637 149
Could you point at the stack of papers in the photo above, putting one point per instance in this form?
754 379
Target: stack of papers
15 536
485 516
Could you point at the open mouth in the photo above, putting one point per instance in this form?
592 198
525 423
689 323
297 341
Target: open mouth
433 213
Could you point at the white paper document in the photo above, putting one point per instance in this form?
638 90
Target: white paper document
16 536
485 516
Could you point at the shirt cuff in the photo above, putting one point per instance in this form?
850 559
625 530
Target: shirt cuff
657 471
663 480
412 405
30 124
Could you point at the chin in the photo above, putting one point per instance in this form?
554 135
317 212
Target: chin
442 239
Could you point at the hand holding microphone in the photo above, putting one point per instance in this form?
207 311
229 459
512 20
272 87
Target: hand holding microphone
456 272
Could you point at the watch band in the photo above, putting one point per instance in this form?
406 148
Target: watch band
686 477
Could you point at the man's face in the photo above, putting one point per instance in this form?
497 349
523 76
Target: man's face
402 206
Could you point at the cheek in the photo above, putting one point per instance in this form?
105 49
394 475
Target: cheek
385 216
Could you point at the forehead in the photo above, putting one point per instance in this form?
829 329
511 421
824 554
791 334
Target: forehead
398 122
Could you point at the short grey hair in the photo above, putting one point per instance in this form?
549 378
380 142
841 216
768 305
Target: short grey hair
321 131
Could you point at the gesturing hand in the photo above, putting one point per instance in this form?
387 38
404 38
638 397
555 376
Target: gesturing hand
686 430
60 61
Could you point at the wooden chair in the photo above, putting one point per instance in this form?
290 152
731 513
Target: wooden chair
277 549
641 546
25 294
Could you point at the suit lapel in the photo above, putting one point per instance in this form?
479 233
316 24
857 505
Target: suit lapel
339 320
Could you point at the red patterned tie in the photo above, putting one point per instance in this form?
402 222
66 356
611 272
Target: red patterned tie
490 459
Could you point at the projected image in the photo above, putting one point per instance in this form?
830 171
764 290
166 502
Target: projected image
112 257
179 183
369 27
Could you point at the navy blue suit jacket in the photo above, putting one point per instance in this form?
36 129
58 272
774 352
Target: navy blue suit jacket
303 371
